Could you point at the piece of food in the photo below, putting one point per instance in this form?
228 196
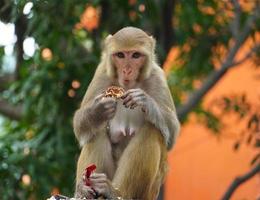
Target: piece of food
89 171
114 91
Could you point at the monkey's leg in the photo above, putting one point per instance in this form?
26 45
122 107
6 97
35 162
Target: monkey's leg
142 165
97 152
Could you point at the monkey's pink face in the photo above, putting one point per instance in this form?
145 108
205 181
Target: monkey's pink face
128 65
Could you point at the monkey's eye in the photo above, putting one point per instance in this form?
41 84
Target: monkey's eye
120 55
136 55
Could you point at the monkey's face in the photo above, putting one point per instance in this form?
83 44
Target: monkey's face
128 65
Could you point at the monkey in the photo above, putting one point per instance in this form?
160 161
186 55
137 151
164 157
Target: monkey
127 139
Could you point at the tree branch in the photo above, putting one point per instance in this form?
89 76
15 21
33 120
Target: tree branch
239 180
4 80
248 55
11 111
235 24
7 109
20 28
167 28
7 78
5 10
215 76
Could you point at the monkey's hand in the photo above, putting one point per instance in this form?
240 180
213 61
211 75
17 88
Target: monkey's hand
137 97
83 191
102 109
103 186
153 112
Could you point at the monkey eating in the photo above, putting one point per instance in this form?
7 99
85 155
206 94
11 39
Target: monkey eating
114 91
126 122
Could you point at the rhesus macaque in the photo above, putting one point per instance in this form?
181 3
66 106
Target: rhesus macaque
127 138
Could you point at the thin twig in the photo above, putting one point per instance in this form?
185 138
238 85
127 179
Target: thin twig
239 180
11 111
235 25
247 56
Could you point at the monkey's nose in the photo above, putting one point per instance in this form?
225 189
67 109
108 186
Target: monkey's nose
127 71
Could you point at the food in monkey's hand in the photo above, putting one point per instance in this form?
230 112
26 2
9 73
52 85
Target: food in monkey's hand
88 171
115 92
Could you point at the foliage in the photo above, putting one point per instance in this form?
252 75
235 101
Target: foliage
244 112
204 34
42 145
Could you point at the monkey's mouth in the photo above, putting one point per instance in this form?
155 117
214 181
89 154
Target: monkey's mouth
126 81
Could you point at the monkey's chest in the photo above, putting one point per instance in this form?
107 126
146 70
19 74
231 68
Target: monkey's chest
125 123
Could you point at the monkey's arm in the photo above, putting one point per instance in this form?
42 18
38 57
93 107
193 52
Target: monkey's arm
156 102
164 116
84 126
165 119
91 115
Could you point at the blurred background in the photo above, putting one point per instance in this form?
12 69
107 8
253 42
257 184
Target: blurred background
210 51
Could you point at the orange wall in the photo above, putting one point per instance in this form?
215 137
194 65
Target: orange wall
202 165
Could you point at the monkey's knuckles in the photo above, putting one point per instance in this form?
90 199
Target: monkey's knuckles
131 103
129 100
85 191
109 111
104 190
101 185
108 99
138 100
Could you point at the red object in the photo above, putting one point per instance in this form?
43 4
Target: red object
89 171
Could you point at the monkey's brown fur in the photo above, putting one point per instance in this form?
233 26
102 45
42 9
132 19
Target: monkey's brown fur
141 168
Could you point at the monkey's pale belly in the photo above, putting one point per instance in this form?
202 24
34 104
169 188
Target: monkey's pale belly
125 123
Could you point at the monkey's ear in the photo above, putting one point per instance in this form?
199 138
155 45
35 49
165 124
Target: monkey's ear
152 40
106 42
108 39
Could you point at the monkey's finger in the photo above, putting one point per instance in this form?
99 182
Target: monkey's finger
127 93
99 97
88 191
111 102
127 99
98 175
95 181
136 100
109 105
132 96
131 91
99 187
100 190
108 99
130 103
137 104
110 111
133 106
